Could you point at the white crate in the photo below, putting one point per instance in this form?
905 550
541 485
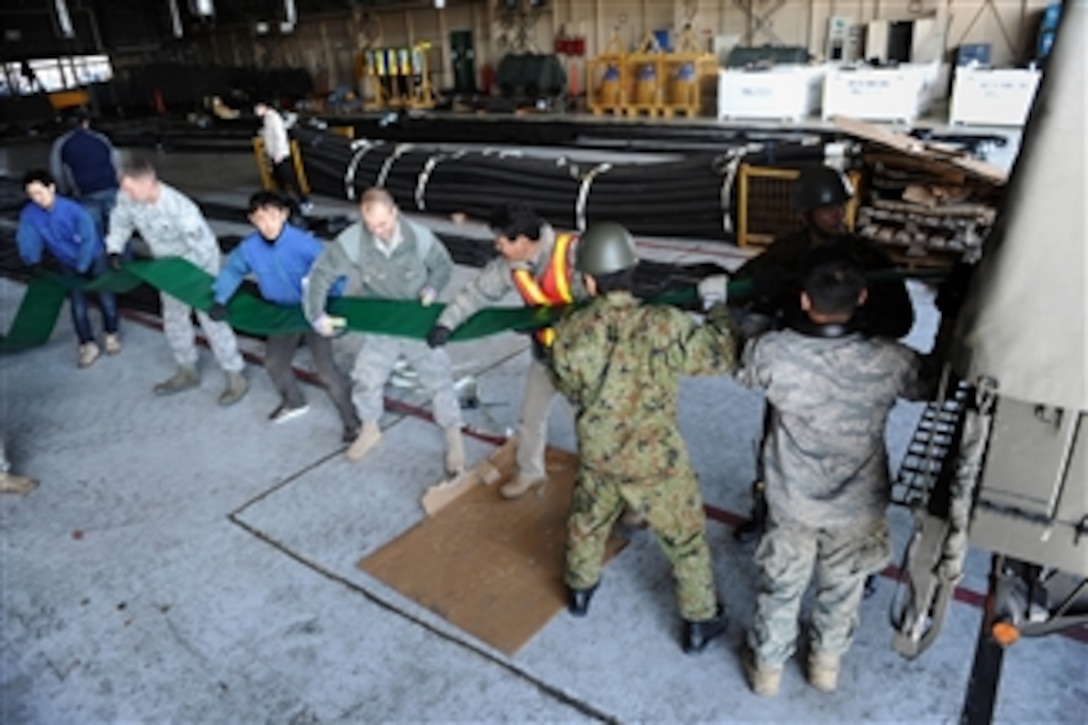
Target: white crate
993 97
889 94
782 92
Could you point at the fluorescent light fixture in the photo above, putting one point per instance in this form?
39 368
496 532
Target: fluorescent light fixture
64 20
290 14
175 19
439 4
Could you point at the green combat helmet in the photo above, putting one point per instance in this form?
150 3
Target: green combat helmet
819 186
606 247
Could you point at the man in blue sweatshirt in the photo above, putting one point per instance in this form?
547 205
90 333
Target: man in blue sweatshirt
84 164
61 226
279 256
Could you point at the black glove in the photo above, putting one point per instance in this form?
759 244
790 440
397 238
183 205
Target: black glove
218 312
438 336
116 260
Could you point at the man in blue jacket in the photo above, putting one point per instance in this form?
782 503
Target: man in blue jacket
52 222
84 164
279 256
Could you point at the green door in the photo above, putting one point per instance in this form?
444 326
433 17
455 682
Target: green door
463 55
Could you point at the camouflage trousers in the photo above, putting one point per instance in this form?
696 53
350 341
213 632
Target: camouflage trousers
785 557
673 508
375 362
177 324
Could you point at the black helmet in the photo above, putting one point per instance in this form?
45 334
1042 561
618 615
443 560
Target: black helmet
819 186
606 247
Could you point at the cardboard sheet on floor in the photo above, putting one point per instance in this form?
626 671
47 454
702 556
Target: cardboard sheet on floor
489 566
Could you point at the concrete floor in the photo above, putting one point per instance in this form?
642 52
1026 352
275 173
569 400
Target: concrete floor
185 563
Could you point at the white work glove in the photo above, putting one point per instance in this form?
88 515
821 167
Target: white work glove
713 290
329 326
427 296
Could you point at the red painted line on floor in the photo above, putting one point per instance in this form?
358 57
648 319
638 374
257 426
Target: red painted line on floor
733 520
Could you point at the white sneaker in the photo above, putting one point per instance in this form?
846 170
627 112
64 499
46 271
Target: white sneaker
284 413
113 343
88 353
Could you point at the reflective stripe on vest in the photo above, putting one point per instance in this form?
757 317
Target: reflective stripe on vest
554 285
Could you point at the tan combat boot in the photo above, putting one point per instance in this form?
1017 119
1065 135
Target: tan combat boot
823 671
113 343
521 485
369 437
186 377
455 451
88 353
763 679
235 390
10 483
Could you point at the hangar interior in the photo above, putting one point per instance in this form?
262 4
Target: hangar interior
183 562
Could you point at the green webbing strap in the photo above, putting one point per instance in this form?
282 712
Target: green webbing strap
251 314
248 313
36 317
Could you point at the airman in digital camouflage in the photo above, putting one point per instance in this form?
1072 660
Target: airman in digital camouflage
829 389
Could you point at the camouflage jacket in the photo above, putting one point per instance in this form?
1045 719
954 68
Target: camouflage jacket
620 362
172 226
353 265
824 459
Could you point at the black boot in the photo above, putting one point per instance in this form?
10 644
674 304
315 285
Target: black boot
578 600
697 635
753 528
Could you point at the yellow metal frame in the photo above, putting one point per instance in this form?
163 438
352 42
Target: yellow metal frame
615 57
403 91
264 166
744 173
748 171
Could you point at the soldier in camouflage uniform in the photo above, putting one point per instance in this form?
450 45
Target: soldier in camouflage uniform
172 226
820 199
619 362
391 257
829 389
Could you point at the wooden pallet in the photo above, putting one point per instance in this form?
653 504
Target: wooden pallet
644 110
687 111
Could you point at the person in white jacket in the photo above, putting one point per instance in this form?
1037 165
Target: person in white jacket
278 148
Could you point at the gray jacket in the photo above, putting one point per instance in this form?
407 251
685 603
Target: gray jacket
418 262
825 464
496 280
172 227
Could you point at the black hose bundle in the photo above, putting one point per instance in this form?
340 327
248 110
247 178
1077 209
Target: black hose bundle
681 195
